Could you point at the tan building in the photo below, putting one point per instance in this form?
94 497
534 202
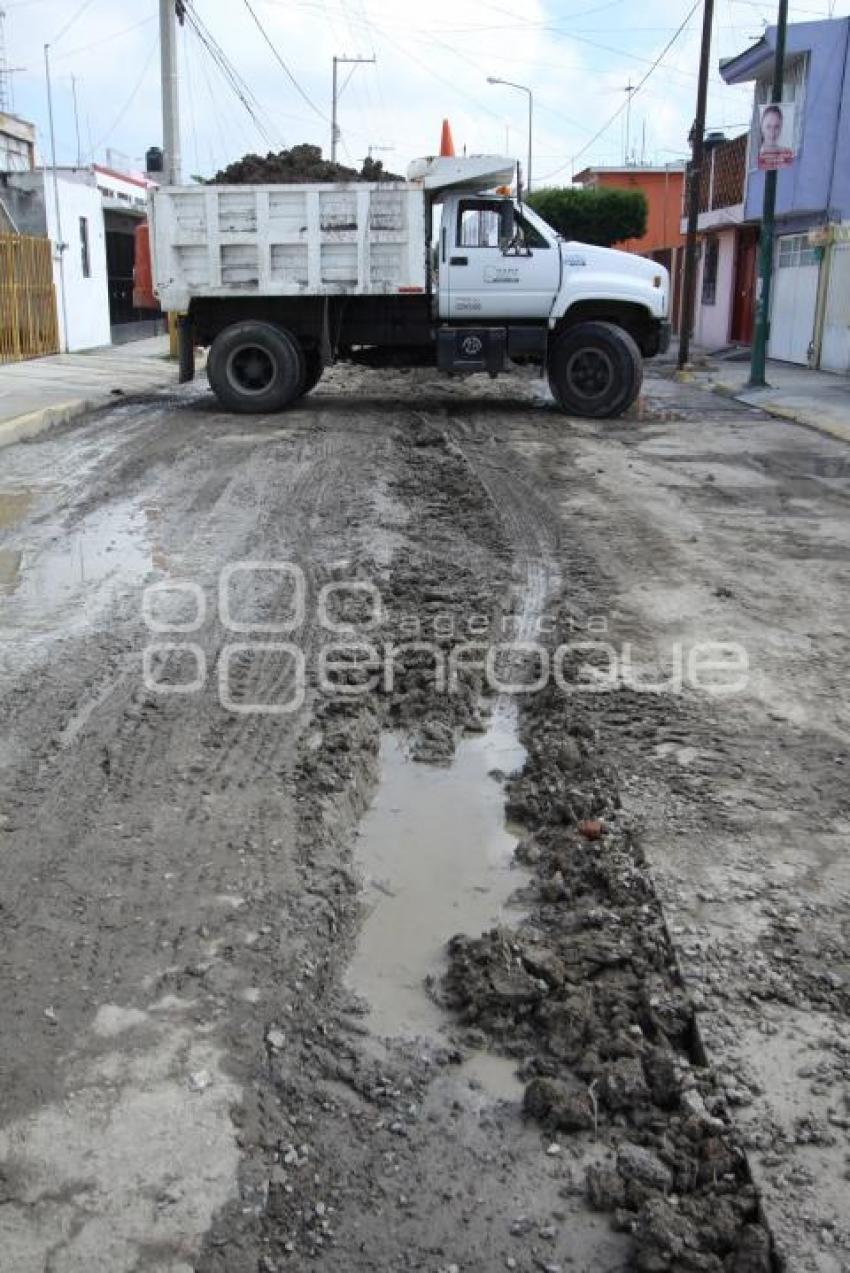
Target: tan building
17 144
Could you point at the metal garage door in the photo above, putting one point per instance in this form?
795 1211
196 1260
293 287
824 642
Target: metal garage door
835 350
795 295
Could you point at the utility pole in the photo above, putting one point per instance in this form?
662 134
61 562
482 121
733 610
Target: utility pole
768 216
694 186
171 162
60 245
628 90
77 121
337 62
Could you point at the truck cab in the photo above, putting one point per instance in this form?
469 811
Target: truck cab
497 260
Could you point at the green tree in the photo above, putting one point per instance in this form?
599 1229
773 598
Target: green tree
592 214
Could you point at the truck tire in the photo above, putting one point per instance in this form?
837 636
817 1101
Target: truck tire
595 369
255 367
313 369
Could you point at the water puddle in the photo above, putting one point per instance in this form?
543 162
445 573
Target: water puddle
112 545
14 505
437 860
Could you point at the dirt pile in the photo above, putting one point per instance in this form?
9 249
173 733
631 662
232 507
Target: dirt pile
588 996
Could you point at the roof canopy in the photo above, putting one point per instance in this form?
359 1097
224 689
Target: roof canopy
476 172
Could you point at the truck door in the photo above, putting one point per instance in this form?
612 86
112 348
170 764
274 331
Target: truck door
488 276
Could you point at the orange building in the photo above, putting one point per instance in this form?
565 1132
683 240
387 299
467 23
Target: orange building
664 191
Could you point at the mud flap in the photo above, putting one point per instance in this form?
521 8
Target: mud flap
185 349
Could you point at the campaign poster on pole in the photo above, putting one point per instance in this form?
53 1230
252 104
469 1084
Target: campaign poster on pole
776 135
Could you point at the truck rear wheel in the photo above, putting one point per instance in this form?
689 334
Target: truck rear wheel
255 367
595 369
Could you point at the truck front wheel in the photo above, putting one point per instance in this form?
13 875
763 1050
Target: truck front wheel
255 368
595 369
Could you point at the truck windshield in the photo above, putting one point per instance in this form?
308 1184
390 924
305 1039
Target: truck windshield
535 225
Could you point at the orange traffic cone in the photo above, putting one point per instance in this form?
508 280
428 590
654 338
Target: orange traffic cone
447 146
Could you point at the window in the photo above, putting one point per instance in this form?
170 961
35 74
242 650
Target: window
479 223
531 235
84 247
794 251
709 270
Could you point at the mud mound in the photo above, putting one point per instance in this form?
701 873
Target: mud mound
588 995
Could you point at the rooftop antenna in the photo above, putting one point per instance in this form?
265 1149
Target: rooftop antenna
7 93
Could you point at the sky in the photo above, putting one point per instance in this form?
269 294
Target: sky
432 59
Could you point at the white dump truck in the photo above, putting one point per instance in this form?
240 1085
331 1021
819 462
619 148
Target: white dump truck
448 268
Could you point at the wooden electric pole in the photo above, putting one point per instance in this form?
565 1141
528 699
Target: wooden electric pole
694 186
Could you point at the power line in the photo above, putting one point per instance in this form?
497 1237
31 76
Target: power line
84 48
67 27
231 75
283 65
638 87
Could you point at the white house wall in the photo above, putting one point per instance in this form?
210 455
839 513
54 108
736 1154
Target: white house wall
86 299
713 322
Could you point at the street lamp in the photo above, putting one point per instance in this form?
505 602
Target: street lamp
523 88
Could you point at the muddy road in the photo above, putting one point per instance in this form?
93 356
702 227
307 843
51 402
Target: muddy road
423 826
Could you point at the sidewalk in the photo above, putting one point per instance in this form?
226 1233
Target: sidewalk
818 399
43 392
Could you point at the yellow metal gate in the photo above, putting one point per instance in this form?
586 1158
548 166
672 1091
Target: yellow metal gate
28 322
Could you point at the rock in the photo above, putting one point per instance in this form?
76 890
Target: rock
623 1084
605 1188
555 1104
275 1038
568 755
541 962
199 1081
693 1105
636 1163
591 829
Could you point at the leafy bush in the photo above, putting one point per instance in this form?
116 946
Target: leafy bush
592 214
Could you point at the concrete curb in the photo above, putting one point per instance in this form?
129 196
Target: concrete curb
783 413
21 428
34 422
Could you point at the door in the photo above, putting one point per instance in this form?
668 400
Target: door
487 282
835 350
743 296
795 295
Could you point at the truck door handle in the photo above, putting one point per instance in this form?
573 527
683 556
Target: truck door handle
459 260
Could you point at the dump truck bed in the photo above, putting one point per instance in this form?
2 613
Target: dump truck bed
354 239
